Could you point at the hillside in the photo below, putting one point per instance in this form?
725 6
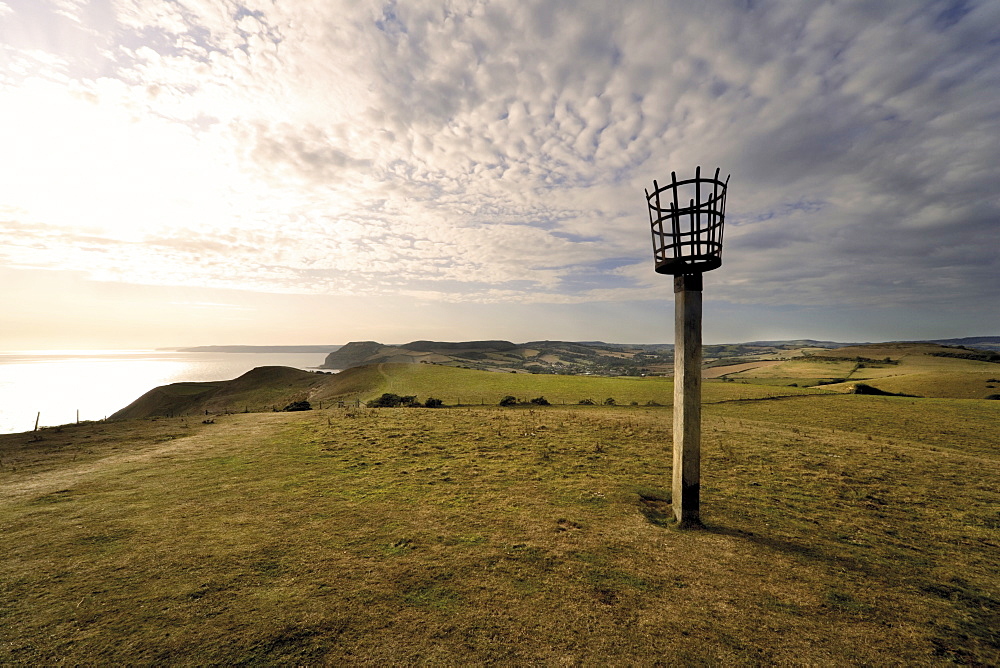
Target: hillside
839 530
534 357
917 369
978 342
262 388
556 357
271 388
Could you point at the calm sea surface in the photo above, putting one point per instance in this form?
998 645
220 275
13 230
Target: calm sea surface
98 383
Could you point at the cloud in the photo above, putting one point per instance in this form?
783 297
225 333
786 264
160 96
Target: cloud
498 152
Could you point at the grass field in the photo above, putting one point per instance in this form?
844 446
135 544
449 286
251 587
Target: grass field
913 369
839 529
470 387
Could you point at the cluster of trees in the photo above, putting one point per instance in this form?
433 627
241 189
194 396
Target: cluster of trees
512 401
542 401
390 400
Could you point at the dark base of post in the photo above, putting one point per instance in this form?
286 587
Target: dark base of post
687 400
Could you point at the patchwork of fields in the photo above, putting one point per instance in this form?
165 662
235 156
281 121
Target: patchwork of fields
918 369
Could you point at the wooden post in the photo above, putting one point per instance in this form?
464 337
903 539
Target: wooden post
37 418
687 399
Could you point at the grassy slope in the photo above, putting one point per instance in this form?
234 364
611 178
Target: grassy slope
266 388
914 371
839 529
466 386
263 388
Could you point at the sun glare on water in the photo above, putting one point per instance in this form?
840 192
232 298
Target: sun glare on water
60 383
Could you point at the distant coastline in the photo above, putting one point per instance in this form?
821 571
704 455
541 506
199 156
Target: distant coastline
98 383
256 349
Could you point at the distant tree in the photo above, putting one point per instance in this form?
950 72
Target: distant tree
297 406
508 401
387 400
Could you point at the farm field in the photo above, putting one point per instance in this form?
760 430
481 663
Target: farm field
917 369
839 529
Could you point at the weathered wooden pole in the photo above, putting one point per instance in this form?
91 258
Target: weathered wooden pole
687 399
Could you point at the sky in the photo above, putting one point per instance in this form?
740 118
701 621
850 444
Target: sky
193 172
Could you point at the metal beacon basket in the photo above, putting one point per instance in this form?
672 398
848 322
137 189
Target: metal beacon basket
687 231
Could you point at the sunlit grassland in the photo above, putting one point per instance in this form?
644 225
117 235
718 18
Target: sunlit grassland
472 387
975 385
838 530
912 370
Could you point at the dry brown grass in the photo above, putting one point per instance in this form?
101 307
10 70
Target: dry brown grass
838 530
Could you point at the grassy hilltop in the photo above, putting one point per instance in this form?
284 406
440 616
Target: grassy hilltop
839 528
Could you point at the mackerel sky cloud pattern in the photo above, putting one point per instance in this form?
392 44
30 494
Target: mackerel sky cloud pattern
496 152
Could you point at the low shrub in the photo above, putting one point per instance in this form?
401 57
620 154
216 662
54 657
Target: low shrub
508 401
390 400
610 402
540 401
586 402
433 403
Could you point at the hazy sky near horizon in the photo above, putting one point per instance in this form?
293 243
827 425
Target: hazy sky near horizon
184 172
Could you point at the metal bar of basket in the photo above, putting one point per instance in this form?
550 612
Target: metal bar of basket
696 223
722 208
715 209
654 195
674 215
652 226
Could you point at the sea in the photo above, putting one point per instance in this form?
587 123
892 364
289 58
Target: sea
59 387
